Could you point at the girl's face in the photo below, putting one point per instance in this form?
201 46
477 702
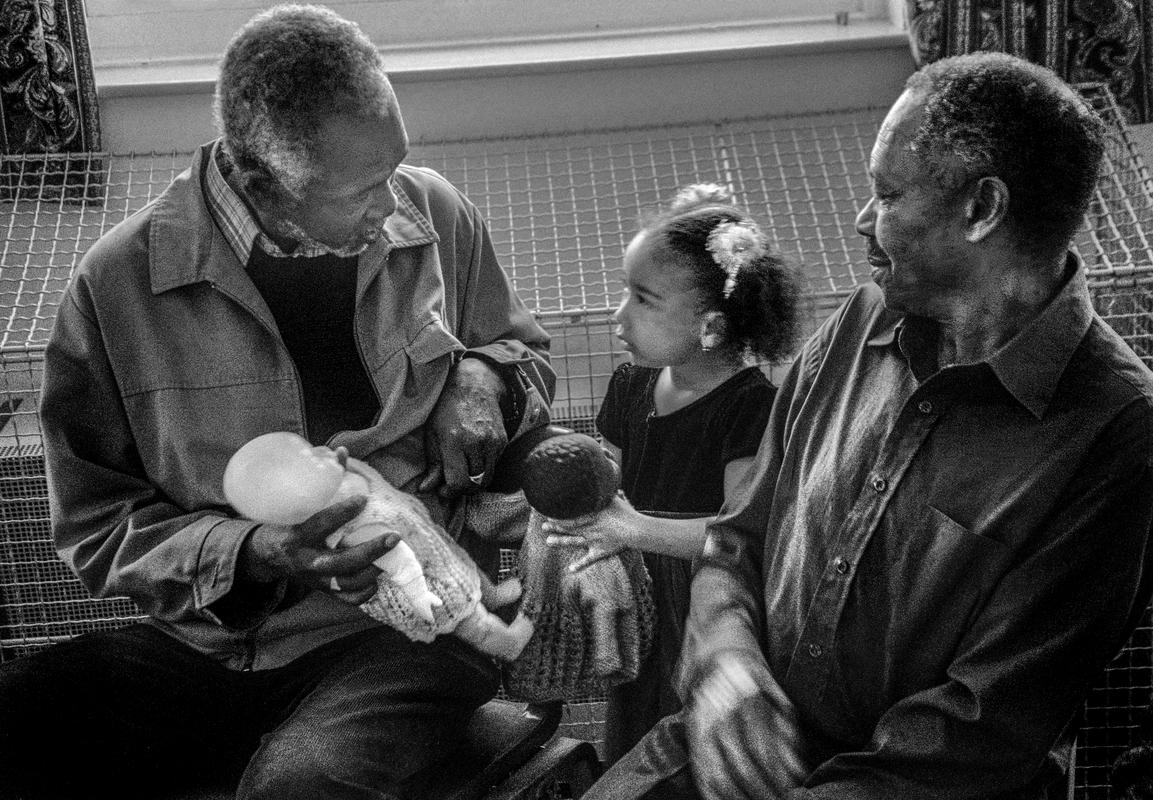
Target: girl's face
659 317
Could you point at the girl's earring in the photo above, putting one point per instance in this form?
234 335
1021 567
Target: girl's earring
710 327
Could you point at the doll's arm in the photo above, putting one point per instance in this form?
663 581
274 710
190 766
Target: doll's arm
399 565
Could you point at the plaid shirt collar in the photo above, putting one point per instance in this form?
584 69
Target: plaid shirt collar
235 219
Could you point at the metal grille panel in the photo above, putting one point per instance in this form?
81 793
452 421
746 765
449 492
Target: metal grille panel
561 211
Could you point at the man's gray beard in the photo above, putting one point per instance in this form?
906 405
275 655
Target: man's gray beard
306 242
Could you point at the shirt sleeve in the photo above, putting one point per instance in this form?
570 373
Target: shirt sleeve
110 524
744 423
610 418
1046 634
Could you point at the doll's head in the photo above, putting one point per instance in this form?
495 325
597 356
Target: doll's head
281 478
570 475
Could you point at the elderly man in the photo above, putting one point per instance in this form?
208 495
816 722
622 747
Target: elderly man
297 277
945 535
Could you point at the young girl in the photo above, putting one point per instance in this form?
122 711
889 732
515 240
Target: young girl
704 297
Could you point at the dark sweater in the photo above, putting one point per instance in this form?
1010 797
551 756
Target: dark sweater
313 302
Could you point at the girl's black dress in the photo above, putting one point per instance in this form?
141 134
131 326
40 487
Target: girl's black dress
675 465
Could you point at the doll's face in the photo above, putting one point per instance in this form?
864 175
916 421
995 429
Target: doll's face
280 478
322 458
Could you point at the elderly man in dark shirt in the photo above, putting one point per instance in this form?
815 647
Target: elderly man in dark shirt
945 536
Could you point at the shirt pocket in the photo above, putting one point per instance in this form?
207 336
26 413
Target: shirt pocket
430 353
911 605
409 380
949 576
953 546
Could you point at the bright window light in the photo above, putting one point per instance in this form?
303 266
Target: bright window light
126 32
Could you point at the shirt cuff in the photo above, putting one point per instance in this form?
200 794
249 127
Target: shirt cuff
517 385
220 594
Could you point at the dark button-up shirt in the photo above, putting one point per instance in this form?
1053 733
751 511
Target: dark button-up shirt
936 562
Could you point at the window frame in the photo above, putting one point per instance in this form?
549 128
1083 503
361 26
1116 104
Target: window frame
148 32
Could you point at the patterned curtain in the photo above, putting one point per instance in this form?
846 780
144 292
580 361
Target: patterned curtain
1106 41
47 93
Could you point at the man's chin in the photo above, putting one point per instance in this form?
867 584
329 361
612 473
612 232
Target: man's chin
348 249
882 277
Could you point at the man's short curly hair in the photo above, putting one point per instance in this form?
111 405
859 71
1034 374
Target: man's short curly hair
991 114
286 71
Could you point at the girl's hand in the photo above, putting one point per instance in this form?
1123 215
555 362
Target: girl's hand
604 534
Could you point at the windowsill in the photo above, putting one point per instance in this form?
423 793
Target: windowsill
537 56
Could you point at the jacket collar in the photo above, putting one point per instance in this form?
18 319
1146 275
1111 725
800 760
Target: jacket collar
187 246
1030 364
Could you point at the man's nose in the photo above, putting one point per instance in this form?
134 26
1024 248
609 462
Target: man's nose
866 218
619 313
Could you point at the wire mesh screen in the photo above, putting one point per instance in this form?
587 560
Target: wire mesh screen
1115 245
561 210
1115 706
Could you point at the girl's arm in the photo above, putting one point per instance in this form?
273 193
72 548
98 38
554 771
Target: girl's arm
620 526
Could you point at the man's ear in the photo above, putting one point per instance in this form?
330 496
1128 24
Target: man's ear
712 330
985 208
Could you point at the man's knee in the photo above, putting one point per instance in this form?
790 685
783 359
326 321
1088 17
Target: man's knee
278 772
28 729
287 767
17 685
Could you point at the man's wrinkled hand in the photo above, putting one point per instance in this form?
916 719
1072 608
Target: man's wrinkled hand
465 435
298 552
743 733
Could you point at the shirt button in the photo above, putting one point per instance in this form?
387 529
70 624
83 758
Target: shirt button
925 407
880 484
841 566
815 650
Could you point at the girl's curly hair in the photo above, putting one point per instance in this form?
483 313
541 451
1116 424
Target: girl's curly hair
761 306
